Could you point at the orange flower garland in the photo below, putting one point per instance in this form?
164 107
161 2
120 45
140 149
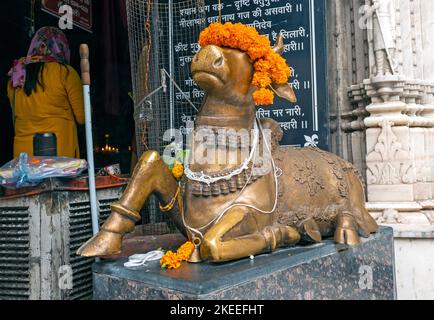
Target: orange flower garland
185 251
265 96
269 66
173 260
170 261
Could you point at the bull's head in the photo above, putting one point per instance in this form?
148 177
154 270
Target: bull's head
226 74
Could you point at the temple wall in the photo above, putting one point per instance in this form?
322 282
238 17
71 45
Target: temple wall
384 121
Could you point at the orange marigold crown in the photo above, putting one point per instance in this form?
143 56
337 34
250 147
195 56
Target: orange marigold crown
269 66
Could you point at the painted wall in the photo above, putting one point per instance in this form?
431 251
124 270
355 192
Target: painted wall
414 260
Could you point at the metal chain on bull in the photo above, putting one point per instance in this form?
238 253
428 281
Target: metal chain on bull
277 173
207 179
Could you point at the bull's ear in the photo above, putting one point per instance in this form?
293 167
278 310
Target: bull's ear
279 47
285 91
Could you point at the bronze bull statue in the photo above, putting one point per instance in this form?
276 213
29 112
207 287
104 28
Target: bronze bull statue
308 193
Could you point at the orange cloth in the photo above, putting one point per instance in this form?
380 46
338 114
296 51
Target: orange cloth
55 109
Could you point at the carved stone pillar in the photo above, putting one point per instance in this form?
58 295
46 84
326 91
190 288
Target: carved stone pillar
428 115
413 95
394 113
397 137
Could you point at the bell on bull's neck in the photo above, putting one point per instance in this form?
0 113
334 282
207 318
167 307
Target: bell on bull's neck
195 256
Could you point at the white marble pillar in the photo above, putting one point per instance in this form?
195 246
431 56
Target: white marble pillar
383 121
399 159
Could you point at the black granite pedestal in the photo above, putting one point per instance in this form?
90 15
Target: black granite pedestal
321 271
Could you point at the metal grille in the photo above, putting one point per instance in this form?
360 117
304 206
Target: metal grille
154 46
80 230
14 254
105 209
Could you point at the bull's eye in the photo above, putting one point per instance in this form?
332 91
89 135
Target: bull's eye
218 62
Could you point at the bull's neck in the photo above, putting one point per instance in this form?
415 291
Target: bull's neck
218 113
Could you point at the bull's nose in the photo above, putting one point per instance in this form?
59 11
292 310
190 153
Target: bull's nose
208 56
218 62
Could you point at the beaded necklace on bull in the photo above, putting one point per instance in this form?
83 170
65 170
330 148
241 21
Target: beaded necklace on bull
201 177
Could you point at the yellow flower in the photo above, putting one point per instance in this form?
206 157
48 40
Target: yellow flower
178 170
269 65
170 261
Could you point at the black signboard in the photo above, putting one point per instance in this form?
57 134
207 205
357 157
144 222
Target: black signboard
302 23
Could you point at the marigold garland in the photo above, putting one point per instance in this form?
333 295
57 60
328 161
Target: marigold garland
170 261
173 260
269 66
185 251
178 170
263 96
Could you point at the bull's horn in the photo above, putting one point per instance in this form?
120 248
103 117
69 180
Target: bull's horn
279 47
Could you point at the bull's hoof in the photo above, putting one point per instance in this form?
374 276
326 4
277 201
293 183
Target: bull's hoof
292 236
103 244
312 230
346 230
209 251
347 236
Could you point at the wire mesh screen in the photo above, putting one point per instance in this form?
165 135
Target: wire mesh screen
163 35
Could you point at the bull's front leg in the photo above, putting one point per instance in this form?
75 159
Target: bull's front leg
218 248
126 213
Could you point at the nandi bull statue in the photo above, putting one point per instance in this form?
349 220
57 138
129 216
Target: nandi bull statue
232 210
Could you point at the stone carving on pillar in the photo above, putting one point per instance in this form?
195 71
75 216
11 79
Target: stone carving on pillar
428 103
391 113
428 115
390 216
385 86
358 99
413 93
391 172
382 36
386 93
387 164
353 124
394 83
